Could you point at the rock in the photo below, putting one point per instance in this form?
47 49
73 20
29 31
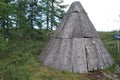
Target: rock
111 77
117 68
115 76
98 76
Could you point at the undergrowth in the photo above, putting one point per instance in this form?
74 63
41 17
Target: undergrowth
19 58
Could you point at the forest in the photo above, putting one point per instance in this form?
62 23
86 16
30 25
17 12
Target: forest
25 29
30 15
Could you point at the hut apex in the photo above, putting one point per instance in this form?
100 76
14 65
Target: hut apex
76 46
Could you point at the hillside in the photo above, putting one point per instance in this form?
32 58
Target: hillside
19 59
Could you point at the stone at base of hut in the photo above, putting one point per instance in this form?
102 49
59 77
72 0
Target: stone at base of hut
117 69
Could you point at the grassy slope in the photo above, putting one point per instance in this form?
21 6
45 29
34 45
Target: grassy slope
20 61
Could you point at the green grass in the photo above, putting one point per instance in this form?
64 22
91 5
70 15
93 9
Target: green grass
20 61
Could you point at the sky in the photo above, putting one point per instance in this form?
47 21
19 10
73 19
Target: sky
104 14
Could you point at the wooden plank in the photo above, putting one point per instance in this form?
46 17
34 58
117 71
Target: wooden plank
64 56
106 55
54 54
50 52
61 27
88 31
103 64
101 60
45 51
92 28
91 54
68 29
77 30
79 56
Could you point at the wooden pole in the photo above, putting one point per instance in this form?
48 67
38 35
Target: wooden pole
117 45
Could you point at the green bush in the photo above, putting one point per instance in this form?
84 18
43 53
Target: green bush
12 72
3 47
2 43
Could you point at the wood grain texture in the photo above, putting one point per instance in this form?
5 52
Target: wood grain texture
79 56
92 56
87 27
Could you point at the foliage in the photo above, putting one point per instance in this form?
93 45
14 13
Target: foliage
19 57
52 12
18 60
6 13
12 72
21 60
110 44
2 43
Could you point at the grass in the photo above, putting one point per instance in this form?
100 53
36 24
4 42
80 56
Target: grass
20 61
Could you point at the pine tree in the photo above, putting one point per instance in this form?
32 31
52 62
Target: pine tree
56 12
53 12
6 12
32 7
21 20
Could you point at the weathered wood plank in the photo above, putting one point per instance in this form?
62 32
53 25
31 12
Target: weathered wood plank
106 55
92 56
100 57
61 27
64 56
92 28
79 62
77 30
68 29
50 52
101 54
46 50
87 29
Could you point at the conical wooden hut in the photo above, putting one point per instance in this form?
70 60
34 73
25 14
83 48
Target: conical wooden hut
76 46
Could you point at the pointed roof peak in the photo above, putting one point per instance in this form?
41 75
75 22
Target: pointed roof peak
76 2
76 7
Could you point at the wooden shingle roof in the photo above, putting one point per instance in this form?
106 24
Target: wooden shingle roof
76 24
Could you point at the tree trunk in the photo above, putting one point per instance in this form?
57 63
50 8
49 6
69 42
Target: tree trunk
48 15
52 12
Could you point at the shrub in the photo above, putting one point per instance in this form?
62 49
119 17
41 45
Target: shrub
2 43
12 72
